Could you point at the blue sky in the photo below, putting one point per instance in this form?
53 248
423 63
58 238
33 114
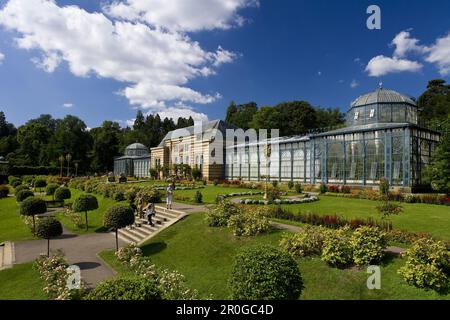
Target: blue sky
263 52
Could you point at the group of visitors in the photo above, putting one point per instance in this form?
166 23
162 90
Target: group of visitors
148 211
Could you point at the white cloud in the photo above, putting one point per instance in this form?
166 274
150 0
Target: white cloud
68 105
382 65
156 65
354 84
2 57
404 44
439 53
182 15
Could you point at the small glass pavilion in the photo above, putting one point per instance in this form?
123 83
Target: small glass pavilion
135 162
382 139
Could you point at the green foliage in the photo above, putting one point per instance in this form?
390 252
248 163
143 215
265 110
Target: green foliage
265 273
386 209
273 194
368 245
298 188
308 242
241 115
40 183
32 206
62 193
427 265
12 180
384 187
323 188
24 194
196 174
20 188
49 228
198 198
118 217
434 103
85 202
51 188
275 183
337 249
149 195
126 288
16 183
290 184
250 222
219 215
119 196
4 191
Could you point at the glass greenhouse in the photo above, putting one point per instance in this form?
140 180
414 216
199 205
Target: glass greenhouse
382 139
135 162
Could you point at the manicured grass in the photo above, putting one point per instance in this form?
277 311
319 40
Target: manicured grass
209 193
205 256
21 282
12 227
95 217
417 217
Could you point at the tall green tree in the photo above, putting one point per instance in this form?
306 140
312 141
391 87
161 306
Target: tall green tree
33 139
434 103
241 115
106 141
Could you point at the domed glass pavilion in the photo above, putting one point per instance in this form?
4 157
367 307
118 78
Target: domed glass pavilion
382 139
135 162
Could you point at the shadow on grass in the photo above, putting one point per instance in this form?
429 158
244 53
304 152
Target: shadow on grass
153 248
102 229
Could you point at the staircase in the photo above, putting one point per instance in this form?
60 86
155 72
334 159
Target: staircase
6 255
142 231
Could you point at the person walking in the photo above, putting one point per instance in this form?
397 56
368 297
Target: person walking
150 212
169 196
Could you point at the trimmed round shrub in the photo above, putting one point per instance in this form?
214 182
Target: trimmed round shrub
62 193
40 183
85 203
337 250
118 217
48 228
32 206
20 188
16 183
265 273
308 242
51 188
368 244
4 191
24 194
290 184
427 265
126 288
298 188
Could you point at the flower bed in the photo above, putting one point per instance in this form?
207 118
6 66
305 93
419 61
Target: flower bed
237 194
279 201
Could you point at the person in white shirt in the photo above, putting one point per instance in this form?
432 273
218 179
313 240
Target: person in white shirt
169 196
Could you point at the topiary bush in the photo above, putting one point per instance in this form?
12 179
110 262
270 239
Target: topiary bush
265 273
62 193
290 184
12 180
85 203
119 196
198 198
337 250
20 188
298 188
126 288
118 217
48 228
368 245
308 242
24 194
32 206
51 189
250 222
16 183
4 191
427 265
39 184
219 215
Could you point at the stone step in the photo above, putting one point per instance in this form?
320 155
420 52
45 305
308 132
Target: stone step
126 238
128 235
139 231
6 255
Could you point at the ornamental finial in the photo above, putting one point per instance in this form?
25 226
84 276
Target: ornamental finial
380 84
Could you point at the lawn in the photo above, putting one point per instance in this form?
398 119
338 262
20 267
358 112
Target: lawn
12 227
417 217
21 282
205 255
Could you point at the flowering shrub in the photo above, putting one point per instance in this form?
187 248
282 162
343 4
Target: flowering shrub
427 265
53 270
249 222
219 215
308 242
306 199
368 245
346 189
333 188
337 249
171 284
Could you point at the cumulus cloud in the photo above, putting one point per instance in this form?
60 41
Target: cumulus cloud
382 65
68 105
439 54
182 15
155 64
404 44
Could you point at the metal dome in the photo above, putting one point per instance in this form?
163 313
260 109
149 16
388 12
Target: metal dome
382 95
136 149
